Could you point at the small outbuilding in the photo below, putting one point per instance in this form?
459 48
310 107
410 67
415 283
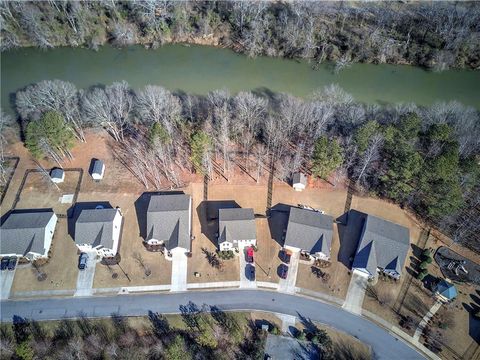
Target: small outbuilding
98 169
446 291
57 175
299 181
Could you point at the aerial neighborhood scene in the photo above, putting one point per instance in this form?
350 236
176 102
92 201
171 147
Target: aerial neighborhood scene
240 180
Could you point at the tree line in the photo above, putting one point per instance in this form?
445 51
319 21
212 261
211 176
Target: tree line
424 158
436 35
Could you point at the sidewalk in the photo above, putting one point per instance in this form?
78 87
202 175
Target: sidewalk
426 319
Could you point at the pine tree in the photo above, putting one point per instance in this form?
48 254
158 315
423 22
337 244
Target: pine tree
327 156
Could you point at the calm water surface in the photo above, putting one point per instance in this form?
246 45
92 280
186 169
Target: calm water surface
200 69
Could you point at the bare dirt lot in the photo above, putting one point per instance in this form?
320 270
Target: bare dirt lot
339 280
204 230
39 192
267 258
61 268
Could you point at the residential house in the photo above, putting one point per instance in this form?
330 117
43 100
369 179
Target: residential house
97 169
382 247
236 228
299 181
169 221
99 229
309 232
28 233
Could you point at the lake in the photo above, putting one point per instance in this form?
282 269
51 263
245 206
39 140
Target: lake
200 69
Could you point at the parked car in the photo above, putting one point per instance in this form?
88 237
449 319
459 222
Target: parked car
250 272
283 271
249 256
285 256
82 261
4 263
12 262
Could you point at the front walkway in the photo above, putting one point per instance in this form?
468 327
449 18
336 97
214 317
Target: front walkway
426 319
179 270
85 277
356 292
288 285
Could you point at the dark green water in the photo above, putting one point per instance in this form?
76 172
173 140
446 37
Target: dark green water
200 69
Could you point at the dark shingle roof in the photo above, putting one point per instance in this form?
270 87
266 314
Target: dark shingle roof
309 230
382 244
97 167
24 232
168 220
236 224
56 173
95 227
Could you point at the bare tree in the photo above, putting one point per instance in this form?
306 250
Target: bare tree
368 158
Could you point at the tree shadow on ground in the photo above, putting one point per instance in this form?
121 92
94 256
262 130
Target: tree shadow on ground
350 227
278 222
141 206
74 212
207 212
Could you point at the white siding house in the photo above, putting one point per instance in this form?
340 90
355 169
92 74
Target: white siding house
236 228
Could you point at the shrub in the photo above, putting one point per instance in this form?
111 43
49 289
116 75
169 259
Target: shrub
421 275
423 265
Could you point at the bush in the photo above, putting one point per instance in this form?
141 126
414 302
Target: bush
423 265
428 260
426 253
421 275
24 351
275 330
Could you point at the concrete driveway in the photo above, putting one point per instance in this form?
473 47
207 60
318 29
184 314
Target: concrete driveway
356 292
85 277
245 282
179 270
288 285
6 281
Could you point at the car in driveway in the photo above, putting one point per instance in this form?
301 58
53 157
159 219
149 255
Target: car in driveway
250 272
249 255
12 262
4 263
285 256
82 261
283 271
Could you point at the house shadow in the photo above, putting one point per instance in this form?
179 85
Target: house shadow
207 212
74 212
141 207
473 309
22 211
349 227
278 222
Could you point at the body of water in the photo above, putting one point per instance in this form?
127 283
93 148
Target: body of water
200 69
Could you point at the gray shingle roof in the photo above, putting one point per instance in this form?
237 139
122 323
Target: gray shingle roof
97 167
299 178
56 173
236 224
95 227
382 244
24 232
168 220
309 230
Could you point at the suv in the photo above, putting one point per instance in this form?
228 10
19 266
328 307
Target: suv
285 256
4 263
82 261
283 271
12 262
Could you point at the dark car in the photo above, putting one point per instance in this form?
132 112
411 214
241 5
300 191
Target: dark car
82 261
283 271
249 255
250 272
12 262
4 263
285 256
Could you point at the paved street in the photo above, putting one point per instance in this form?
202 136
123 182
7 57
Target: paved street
288 285
384 345
179 271
356 292
85 277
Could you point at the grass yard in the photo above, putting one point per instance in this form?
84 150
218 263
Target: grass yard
61 268
339 280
